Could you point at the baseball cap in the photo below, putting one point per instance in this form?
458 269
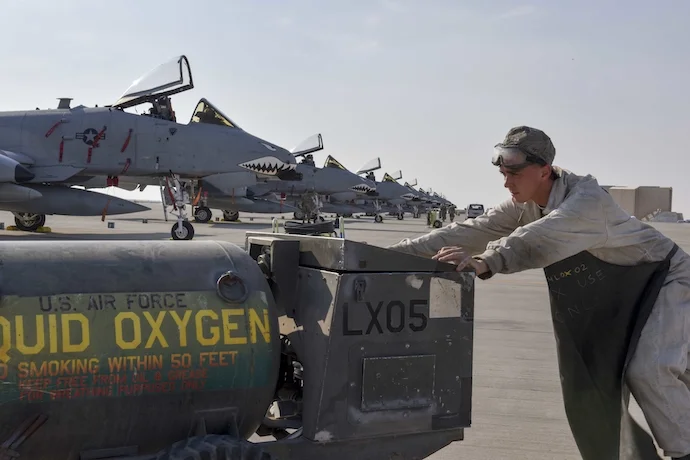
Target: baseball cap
523 146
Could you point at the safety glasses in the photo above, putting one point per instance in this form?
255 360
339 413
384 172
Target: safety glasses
514 158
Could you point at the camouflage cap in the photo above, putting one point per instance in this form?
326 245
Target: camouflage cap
532 141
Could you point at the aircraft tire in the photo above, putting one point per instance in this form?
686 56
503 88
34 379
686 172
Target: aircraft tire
186 233
202 214
33 226
401 216
231 216
438 224
378 218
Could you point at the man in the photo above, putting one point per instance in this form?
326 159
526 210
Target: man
619 293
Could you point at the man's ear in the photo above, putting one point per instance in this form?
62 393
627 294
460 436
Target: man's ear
546 172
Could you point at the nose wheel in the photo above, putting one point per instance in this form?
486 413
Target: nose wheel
177 196
182 231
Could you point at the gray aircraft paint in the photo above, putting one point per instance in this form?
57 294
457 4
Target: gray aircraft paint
56 146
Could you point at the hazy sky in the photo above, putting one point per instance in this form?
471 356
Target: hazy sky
411 82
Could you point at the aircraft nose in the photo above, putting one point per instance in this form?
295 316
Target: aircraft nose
21 174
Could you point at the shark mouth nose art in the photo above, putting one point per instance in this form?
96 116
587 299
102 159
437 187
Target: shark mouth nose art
363 188
267 165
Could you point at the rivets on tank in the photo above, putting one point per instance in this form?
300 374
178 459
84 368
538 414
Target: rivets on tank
231 288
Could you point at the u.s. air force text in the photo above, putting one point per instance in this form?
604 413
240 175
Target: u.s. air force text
124 344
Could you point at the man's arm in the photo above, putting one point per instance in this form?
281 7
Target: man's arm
472 234
577 225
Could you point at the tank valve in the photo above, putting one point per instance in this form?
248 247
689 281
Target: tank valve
231 288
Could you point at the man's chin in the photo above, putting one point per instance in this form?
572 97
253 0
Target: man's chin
516 199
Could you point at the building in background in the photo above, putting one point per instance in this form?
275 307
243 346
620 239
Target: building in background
642 201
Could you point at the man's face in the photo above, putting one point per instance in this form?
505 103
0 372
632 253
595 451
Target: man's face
524 183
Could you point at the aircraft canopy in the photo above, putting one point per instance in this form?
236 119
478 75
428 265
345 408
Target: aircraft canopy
205 112
333 163
167 79
372 165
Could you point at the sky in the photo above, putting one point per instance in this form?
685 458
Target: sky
428 86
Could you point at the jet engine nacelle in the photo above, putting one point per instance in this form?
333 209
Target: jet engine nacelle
12 171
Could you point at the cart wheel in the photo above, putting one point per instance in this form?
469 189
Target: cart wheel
221 447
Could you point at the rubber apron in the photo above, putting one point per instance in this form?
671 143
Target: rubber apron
598 310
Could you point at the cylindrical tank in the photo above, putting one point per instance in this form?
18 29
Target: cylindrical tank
114 344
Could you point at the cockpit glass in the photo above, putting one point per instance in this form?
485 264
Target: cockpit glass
205 112
169 78
333 163
372 165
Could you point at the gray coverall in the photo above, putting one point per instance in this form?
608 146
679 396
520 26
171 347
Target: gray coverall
579 216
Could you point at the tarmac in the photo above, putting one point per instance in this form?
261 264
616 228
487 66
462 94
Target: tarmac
517 406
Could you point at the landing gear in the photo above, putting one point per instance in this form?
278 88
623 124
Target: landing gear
231 216
182 231
177 197
401 216
378 218
202 214
309 209
29 222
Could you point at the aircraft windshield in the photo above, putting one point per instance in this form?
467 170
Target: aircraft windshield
205 112
333 163
172 77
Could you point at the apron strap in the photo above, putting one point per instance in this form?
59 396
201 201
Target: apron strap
672 252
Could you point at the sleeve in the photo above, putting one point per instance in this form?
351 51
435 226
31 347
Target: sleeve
576 226
471 234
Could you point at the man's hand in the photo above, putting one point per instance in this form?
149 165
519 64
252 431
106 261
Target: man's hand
458 256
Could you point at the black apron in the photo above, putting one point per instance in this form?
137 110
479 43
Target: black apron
598 311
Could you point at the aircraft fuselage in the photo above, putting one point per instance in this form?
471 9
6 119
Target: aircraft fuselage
109 141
